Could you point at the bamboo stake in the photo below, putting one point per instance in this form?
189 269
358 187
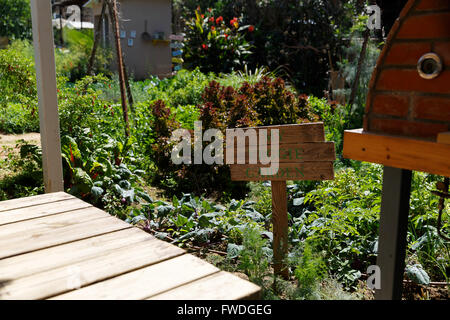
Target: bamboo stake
359 68
112 6
96 39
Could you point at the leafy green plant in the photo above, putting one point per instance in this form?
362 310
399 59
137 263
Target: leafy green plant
24 177
255 255
216 45
309 272
16 19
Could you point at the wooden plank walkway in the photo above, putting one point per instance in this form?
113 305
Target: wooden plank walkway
55 246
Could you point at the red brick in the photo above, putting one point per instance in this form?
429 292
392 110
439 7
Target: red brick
429 26
406 53
407 128
433 5
432 108
409 80
443 50
393 105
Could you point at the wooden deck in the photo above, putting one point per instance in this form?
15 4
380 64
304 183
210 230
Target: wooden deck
55 246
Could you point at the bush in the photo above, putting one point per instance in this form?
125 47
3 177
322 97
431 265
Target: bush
290 36
267 102
216 45
16 19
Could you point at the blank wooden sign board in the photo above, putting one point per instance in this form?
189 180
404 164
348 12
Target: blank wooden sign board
303 155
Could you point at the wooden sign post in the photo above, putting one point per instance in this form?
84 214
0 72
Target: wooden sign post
303 155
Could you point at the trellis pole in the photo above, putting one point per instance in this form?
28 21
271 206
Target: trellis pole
44 51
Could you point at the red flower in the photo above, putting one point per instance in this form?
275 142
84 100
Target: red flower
219 20
204 46
234 22
251 28
226 36
203 16
213 28
211 19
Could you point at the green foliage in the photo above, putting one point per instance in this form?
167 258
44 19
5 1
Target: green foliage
417 274
216 45
294 36
72 60
17 78
309 272
255 256
24 176
348 67
16 118
15 22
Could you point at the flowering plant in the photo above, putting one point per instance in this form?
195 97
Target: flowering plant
215 45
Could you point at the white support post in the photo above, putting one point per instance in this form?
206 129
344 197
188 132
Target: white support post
44 52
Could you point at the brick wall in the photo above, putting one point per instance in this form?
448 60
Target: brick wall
400 102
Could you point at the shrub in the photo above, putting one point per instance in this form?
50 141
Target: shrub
216 45
17 78
16 19
309 272
295 38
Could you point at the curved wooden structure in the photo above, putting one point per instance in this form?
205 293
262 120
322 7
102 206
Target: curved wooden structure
407 116
400 101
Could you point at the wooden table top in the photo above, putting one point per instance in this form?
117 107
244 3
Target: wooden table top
55 246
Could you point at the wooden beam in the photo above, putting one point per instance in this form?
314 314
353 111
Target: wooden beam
44 50
393 229
398 152
280 228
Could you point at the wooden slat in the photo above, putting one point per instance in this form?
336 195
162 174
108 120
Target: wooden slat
34 200
66 254
398 152
45 224
443 137
308 132
53 282
218 286
41 210
37 239
146 282
296 152
287 171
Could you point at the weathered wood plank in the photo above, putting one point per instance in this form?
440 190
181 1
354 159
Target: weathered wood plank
307 132
218 286
39 239
280 227
57 281
398 152
41 210
49 223
51 258
287 171
294 152
146 282
34 200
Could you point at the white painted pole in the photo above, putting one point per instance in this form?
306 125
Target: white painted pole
44 53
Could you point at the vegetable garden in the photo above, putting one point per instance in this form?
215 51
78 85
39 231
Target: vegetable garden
233 79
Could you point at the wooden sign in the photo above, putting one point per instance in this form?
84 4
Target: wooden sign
303 155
